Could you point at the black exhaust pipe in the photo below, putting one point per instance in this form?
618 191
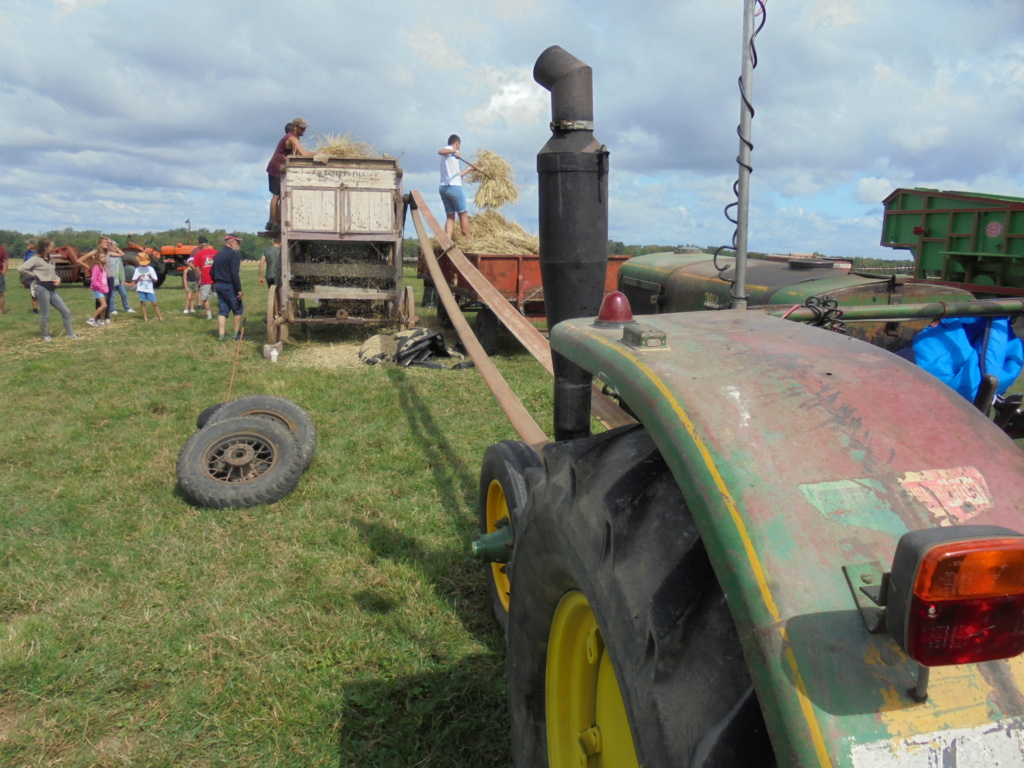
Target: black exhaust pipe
572 173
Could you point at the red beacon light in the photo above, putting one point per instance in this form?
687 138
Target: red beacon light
956 595
615 310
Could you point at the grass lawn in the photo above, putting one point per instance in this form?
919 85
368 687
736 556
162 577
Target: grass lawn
342 626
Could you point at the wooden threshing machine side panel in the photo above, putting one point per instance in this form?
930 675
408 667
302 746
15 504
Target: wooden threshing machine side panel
341 240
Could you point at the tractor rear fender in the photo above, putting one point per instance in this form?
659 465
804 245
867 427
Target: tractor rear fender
799 452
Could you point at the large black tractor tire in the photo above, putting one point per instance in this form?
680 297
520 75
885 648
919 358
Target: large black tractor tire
285 411
621 649
503 492
239 462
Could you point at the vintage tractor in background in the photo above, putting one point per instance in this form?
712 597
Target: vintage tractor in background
806 551
166 260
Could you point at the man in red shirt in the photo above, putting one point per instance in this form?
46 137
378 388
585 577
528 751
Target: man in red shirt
202 257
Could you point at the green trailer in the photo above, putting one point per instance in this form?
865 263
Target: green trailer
963 239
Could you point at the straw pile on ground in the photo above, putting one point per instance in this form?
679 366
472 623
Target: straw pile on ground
496 180
336 145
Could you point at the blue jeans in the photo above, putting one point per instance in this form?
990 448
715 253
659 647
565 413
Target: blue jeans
119 288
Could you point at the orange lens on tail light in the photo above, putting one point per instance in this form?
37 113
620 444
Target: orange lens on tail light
956 596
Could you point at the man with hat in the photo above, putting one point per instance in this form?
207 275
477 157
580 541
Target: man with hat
290 144
227 282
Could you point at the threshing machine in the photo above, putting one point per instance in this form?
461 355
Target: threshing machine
806 551
341 246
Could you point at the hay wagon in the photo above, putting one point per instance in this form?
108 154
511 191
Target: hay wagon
516 276
341 246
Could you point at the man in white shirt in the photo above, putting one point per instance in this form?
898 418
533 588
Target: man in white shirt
452 194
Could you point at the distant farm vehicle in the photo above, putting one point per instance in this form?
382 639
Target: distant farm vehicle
964 239
69 267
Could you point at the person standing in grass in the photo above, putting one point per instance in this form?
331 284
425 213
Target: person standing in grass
3 280
203 259
27 281
115 266
270 263
227 282
45 281
145 277
190 282
100 288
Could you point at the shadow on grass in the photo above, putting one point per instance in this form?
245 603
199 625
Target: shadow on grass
455 716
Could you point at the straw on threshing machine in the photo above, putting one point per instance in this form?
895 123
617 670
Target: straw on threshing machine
341 246
792 548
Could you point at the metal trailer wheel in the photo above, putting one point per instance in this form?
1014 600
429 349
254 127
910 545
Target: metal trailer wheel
273 319
487 328
503 492
621 649
278 408
239 462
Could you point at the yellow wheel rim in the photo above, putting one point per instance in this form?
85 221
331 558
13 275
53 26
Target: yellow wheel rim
497 509
586 718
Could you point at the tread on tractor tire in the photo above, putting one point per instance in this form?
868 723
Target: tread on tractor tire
239 462
503 492
620 643
279 408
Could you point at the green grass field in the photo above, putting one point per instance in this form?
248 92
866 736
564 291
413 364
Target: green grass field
342 626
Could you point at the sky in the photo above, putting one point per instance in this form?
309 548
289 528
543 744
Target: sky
132 116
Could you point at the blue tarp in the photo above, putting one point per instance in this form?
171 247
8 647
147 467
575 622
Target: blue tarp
960 350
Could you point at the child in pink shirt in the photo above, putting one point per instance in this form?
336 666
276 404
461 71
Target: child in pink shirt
98 283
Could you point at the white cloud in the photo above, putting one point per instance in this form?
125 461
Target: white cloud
514 98
870 190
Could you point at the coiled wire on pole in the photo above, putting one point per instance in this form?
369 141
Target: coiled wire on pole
741 185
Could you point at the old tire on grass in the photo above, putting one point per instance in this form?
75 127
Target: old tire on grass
239 462
620 643
285 411
205 415
503 491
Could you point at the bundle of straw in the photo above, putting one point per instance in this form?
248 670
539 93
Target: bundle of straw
336 145
495 235
496 179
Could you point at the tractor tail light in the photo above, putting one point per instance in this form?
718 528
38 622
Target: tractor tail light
615 310
956 595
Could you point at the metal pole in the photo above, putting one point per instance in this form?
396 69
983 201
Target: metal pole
739 300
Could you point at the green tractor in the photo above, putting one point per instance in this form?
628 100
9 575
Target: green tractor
806 551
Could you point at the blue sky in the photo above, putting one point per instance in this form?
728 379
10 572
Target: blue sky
135 115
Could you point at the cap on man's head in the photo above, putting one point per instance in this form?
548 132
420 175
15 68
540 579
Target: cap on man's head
298 122
232 237
202 239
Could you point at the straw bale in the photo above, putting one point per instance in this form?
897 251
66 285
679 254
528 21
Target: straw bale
496 179
344 146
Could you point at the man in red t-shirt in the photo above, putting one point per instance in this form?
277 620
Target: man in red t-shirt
202 257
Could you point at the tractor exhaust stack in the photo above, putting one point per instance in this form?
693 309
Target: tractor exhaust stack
572 173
